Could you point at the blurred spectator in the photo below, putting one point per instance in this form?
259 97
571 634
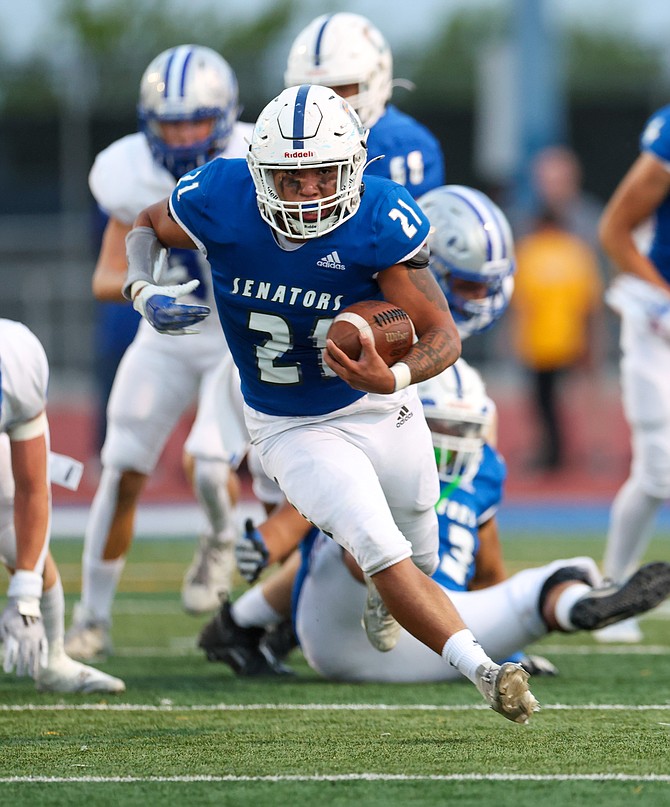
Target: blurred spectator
555 309
556 187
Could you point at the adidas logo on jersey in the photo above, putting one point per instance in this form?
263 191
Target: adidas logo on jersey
331 261
403 416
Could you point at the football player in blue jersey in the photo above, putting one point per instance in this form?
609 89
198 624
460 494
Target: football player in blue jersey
640 293
326 427
349 54
472 258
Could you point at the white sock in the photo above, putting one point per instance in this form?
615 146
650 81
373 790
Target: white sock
566 599
252 610
465 653
52 606
632 519
100 579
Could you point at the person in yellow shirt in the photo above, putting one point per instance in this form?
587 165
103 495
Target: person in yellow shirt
556 304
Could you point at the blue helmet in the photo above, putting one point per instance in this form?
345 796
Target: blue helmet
470 239
187 83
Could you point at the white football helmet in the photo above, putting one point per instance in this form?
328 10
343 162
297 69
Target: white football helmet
459 415
338 49
308 127
470 239
188 83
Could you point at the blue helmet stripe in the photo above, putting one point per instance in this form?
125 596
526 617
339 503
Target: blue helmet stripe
168 67
182 85
490 220
299 117
459 382
319 37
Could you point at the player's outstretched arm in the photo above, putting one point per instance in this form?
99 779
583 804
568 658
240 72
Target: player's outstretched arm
146 251
21 626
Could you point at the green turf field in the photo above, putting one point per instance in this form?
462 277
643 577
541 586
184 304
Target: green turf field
188 732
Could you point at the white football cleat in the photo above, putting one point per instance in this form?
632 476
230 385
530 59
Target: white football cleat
627 632
88 638
207 582
381 628
505 689
63 674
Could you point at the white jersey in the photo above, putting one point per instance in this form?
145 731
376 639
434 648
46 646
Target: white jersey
160 376
125 179
24 375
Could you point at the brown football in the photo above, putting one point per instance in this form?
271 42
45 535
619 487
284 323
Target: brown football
391 327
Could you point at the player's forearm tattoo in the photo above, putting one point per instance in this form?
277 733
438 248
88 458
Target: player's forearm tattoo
435 351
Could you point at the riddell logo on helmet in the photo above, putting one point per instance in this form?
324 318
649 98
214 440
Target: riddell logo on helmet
293 154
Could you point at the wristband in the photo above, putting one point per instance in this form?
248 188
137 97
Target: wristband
402 375
25 584
137 287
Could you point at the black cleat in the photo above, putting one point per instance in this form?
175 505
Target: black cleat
280 639
538 665
224 640
644 590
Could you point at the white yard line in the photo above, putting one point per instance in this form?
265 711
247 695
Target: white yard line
185 646
349 777
167 706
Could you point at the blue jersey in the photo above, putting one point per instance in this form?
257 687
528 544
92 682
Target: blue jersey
460 512
656 140
276 305
410 154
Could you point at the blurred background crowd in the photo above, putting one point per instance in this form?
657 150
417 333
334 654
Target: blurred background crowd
539 103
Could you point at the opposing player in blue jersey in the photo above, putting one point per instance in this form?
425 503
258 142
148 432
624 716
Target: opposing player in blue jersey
641 295
349 54
330 430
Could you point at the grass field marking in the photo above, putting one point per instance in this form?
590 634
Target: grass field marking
604 650
185 646
317 707
347 777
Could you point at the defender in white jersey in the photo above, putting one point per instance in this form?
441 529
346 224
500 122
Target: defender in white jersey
188 112
641 295
330 430
32 623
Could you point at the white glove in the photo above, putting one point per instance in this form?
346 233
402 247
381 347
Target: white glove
22 631
157 304
251 554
